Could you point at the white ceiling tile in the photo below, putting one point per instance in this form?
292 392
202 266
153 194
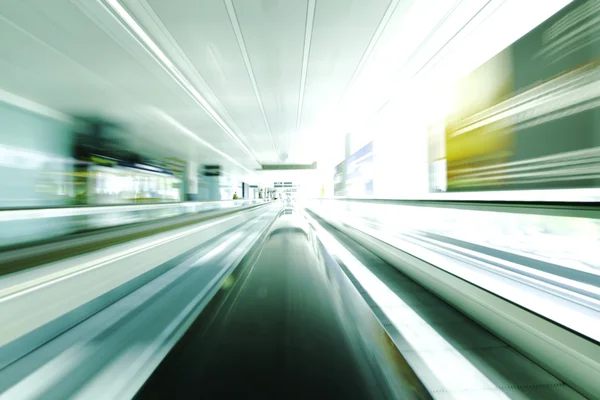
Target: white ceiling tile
342 31
273 33
203 32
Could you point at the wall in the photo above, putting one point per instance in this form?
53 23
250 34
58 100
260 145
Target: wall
35 169
34 159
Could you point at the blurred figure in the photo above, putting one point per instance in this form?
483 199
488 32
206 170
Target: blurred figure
235 196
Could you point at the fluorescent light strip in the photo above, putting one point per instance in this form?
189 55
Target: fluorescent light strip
240 39
31 106
423 44
368 51
371 46
478 17
310 19
167 118
482 41
117 10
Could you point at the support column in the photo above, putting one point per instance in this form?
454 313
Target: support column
347 152
245 191
253 192
191 181
212 177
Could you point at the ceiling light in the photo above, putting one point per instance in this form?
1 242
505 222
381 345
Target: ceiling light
240 39
117 10
310 18
167 118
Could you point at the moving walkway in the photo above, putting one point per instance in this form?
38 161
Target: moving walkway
339 300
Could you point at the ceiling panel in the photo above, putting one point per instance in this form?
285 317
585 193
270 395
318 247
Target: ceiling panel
203 32
37 69
65 46
75 57
342 31
273 33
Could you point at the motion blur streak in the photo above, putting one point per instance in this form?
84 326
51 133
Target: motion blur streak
527 117
300 199
391 304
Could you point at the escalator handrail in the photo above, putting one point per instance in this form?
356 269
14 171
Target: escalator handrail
552 208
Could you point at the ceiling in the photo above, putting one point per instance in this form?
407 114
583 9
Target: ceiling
236 82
